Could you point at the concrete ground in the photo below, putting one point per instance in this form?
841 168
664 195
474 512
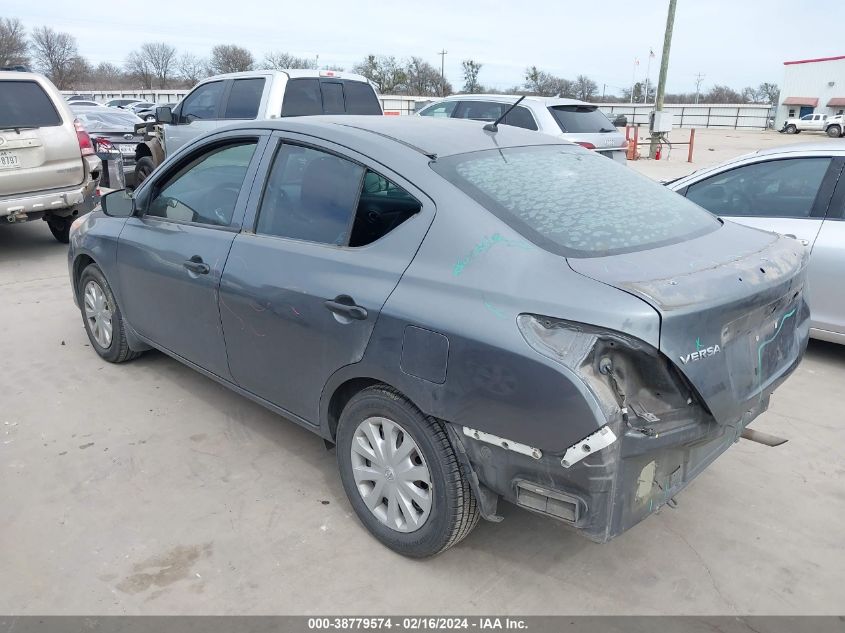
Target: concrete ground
713 146
146 488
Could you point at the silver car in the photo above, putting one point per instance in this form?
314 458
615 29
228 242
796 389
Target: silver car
796 191
577 121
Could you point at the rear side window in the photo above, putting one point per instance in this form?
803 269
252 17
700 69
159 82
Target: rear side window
361 98
333 102
25 104
520 117
581 119
575 203
302 98
244 98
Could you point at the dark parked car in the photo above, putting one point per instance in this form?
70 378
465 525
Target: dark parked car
468 315
112 129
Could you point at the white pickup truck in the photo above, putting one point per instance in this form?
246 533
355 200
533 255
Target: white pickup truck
830 125
261 94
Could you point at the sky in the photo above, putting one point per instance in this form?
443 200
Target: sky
733 42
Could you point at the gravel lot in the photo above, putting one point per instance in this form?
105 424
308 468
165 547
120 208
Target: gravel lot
147 488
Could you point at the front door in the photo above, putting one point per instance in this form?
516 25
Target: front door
788 196
171 257
300 295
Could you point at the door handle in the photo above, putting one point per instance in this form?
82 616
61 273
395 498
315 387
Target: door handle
344 305
196 265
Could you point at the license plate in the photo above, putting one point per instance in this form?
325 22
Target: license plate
9 160
126 149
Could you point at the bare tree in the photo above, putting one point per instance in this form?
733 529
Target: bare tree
278 60
547 85
585 88
471 68
230 58
138 68
423 79
385 72
722 94
750 94
56 55
769 92
106 75
191 68
13 48
160 58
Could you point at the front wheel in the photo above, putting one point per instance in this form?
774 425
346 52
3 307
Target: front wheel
791 129
834 131
102 317
401 474
143 168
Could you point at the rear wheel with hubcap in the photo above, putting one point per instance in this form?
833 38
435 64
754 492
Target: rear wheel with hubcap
834 131
401 474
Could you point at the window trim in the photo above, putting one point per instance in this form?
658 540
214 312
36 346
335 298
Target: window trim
818 210
250 227
152 187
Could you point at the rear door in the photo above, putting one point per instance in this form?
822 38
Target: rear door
38 149
827 267
323 246
171 257
197 114
789 196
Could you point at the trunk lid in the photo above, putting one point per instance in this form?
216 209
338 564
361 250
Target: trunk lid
733 317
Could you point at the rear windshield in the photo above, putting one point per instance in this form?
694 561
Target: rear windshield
581 119
304 97
574 202
25 104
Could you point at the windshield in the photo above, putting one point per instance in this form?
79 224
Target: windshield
574 202
118 119
581 119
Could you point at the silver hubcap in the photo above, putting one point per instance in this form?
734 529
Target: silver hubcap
98 313
391 474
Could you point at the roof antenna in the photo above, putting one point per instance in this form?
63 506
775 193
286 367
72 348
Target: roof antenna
494 126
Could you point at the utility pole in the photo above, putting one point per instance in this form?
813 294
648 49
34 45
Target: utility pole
442 54
698 79
664 69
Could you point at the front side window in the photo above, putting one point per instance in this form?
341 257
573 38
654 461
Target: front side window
480 110
776 188
574 203
206 189
442 110
202 102
244 98
319 197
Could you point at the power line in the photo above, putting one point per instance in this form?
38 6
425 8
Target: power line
698 79
442 54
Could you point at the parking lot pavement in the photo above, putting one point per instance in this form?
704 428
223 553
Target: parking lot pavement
714 146
147 488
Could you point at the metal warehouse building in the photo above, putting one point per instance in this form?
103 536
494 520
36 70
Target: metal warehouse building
812 86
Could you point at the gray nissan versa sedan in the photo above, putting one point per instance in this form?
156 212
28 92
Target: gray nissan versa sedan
467 314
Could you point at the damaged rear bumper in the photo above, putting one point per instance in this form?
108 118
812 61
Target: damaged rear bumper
613 488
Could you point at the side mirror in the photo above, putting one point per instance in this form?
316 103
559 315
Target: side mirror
164 114
118 204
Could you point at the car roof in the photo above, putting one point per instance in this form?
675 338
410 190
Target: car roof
293 73
529 99
427 136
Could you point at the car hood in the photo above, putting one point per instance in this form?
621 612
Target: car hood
732 315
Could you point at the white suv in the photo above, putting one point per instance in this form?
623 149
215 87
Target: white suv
48 168
576 121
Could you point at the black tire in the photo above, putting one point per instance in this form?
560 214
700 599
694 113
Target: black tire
118 351
834 131
454 511
143 168
60 228
790 129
